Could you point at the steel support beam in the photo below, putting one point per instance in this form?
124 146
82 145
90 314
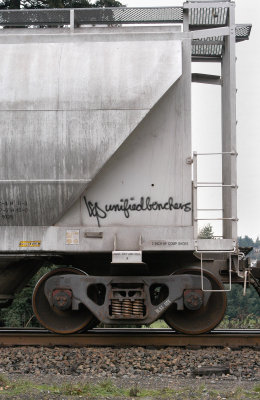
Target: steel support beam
229 167
208 42
205 78
207 4
211 32
206 59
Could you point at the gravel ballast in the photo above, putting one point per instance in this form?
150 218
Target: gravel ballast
150 368
117 362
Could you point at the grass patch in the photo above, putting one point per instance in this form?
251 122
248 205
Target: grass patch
159 324
103 389
3 380
108 390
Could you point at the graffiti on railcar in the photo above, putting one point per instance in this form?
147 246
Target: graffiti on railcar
129 205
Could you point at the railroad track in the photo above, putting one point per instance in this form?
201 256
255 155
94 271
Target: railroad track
129 337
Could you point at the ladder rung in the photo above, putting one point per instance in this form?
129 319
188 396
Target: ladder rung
232 153
214 186
209 209
214 219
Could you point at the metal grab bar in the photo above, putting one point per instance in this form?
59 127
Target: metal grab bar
202 275
232 153
209 209
215 219
214 185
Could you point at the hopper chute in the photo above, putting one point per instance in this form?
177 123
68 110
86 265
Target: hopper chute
66 108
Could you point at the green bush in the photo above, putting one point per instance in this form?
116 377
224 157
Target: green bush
20 313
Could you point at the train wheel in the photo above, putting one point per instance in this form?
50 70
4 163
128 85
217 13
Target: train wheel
54 319
204 319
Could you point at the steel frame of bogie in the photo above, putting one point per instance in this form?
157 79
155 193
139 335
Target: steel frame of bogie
79 286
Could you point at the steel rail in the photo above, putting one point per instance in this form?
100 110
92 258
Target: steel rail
130 337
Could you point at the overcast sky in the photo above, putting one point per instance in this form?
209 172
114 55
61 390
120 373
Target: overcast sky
206 116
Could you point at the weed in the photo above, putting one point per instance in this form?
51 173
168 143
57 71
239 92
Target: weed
134 391
73 390
3 381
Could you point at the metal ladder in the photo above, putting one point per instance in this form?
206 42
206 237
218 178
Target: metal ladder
197 184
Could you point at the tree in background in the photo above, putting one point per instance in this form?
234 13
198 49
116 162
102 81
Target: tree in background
245 241
242 310
206 232
17 4
249 242
240 306
20 313
108 3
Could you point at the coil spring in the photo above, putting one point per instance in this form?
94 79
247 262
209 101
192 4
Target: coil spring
127 308
116 307
138 307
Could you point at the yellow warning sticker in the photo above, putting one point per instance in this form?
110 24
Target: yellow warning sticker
30 243
72 236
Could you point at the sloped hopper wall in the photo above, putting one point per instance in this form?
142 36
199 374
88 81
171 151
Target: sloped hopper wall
147 181
66 107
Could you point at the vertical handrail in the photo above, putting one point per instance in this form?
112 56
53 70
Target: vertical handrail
229 272
72 21
195 196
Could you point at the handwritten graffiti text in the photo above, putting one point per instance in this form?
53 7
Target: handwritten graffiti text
129 205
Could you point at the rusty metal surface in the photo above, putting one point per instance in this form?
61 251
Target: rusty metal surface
130 337
202 319
123 289
60 321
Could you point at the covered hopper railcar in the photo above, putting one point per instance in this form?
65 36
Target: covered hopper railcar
97 172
